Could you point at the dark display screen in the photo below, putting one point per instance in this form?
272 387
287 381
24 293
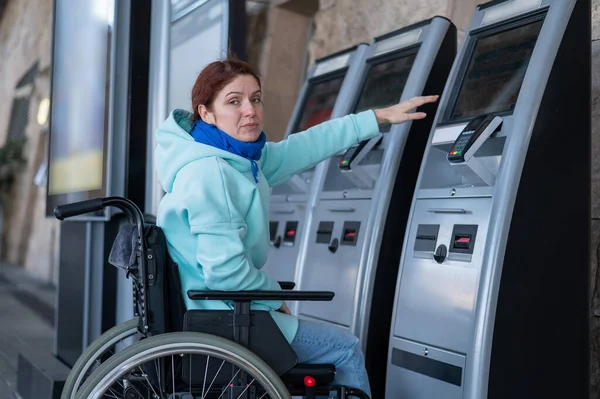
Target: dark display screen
385 83
495 72
319 103
80 97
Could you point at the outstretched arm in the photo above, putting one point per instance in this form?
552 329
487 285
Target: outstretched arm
300 151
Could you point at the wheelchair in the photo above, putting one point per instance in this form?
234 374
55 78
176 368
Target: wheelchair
178 354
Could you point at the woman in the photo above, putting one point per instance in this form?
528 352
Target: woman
217 168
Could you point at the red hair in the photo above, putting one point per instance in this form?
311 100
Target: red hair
215 77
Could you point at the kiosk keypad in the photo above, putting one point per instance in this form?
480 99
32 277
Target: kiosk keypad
475 130
461 143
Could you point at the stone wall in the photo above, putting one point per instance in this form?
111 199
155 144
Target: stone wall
343 23
277 43
336 25
25 38
257 20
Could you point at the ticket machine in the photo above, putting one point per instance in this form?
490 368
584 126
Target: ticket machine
492 293
325 94
354 238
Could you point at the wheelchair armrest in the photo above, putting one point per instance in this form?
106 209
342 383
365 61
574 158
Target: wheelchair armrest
247 296
287 285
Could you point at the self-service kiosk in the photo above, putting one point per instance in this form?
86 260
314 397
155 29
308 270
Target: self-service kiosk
365 193
492 292
325 94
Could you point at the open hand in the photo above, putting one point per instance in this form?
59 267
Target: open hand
401 112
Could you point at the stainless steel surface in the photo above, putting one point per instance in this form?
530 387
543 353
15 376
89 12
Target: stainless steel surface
451 305
436 301
337 272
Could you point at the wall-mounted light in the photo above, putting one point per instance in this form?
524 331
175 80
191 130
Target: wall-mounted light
43 110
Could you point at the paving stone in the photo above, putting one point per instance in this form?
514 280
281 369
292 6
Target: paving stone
22 329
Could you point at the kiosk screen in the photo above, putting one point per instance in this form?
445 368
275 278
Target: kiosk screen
385 83
495 72
78 124
319 103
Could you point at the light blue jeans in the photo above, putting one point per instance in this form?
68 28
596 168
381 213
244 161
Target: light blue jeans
320 343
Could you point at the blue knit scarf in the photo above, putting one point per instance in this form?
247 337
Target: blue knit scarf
209 134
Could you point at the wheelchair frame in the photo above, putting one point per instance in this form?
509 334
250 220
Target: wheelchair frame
150 304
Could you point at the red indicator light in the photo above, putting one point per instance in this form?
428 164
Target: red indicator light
291 233
309 381
464 239
351 234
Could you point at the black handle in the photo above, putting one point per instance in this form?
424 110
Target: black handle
333 247
246 296
287 285
277 242
78 208
440 254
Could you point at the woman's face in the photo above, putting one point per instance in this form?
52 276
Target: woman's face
237 109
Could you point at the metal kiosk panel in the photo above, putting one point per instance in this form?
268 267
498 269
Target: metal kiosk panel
496 263
324 95
353 244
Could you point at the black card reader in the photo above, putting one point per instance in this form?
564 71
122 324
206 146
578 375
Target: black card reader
351 154
472 137
356 153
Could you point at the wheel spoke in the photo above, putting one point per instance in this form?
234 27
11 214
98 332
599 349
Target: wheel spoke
148 381
173 372
190 392
229 384
128 367
205 373
245 389
214 378
111 395
158 374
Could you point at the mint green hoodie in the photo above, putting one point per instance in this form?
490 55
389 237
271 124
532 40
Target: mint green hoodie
216 218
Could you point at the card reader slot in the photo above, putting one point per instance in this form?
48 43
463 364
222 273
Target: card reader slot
463 238
350 233
324 232
421 237
289 235
350 236
427 235
462 241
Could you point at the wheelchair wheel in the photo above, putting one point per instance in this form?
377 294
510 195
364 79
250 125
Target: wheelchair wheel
184 365
97 352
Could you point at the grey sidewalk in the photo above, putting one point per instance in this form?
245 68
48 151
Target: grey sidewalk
26 322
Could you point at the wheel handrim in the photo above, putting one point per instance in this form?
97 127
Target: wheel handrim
102 349
178 349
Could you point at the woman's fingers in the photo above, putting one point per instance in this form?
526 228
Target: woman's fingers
416 102
402 112
416 115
